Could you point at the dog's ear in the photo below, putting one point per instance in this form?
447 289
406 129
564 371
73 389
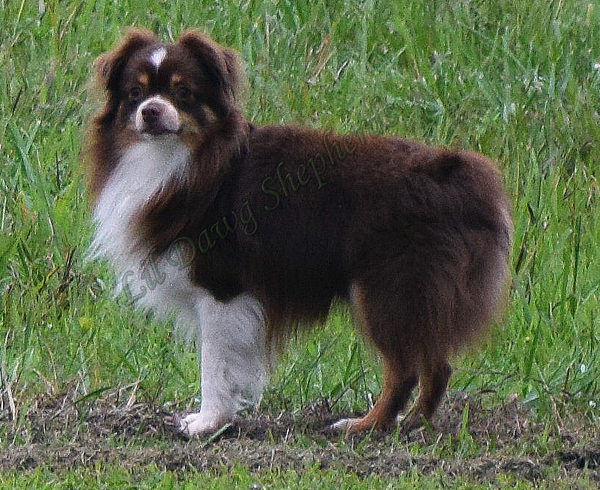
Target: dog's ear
109 69
221 65
110 65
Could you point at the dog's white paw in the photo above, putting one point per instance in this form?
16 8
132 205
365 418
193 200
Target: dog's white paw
344 425
201 425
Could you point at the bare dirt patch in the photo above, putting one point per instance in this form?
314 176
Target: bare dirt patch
505 439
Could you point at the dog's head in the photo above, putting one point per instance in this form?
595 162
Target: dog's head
156 89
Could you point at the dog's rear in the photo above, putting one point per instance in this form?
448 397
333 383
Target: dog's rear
433 287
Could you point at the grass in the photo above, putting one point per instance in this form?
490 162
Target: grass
239 478
516 80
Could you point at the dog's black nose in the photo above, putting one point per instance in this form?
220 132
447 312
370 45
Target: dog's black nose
151 113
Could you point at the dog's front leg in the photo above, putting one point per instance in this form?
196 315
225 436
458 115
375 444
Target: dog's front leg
234 361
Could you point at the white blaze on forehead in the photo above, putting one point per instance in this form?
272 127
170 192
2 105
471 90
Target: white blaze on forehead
157 56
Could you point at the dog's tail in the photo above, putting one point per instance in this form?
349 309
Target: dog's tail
468 289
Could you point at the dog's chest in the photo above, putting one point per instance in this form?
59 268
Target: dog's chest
142 171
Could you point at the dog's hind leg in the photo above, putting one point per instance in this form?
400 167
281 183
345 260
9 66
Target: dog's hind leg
398 384
433 380
375 313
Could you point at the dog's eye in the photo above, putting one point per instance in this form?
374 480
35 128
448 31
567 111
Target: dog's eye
135 93
183 93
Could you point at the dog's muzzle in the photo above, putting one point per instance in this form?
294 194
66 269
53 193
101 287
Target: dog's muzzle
157 116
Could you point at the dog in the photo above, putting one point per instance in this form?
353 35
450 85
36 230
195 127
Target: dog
244 233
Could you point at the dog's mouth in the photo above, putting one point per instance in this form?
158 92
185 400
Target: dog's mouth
158 130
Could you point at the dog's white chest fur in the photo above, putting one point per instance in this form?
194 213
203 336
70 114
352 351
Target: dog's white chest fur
142 172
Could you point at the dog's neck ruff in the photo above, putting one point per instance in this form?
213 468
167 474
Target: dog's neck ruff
142 171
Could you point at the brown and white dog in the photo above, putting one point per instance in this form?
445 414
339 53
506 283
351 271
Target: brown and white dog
243 233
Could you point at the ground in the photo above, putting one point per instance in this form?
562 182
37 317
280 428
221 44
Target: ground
465 440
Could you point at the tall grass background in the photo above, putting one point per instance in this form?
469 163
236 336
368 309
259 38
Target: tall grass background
516 80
